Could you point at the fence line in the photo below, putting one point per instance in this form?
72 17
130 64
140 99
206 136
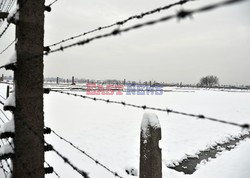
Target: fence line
65 159
16 156
83 152
122 22
179 15
144 107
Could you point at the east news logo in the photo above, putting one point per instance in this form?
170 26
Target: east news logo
129 89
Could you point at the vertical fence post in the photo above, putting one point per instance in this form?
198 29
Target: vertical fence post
150 153
8 91
29 148
73 80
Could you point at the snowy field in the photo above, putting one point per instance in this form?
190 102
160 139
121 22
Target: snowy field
111 133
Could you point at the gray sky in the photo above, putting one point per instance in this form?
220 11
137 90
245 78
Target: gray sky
212 43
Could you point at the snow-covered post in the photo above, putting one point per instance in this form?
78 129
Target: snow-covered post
150 153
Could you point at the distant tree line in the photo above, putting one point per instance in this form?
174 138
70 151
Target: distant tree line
209 81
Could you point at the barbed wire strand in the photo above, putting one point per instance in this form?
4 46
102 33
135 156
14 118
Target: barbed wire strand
144 107
11 5
53 169
8 25
5 49
122 22
4 114
5 172
27 172
16 156
53 3
86 154
6 161
179 15
8 4
65 159
5 29
2 97
3 4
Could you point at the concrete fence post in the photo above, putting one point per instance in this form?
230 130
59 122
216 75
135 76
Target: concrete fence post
150 153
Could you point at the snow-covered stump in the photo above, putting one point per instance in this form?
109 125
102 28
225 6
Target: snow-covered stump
150 153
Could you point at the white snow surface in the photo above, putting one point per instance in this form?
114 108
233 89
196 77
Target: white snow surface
111 133
11 100
8 126
6 148
12 59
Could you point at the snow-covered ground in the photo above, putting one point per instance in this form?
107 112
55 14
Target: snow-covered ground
111 133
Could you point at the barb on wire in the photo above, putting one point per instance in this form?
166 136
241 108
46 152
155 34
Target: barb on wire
53 169
144 107
7 47
86 154
122 22
65 159
179 15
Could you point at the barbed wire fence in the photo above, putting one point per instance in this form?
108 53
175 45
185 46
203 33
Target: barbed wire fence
145 107
119 23
179 15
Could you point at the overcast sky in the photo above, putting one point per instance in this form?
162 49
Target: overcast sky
212 43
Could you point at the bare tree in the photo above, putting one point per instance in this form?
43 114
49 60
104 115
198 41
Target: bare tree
209 81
